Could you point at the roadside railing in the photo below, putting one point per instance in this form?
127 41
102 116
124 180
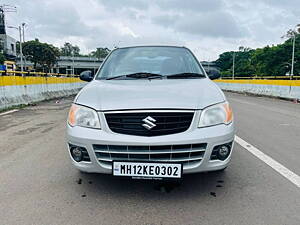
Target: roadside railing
29 73
260 78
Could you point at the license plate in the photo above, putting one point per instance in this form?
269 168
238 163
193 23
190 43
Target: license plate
147 170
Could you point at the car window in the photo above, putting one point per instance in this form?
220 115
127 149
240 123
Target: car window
158 60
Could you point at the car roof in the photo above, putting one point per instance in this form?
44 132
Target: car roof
139 46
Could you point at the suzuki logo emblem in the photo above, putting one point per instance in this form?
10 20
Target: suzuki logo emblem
149 123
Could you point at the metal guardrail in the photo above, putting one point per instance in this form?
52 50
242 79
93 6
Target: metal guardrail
263 78
28 73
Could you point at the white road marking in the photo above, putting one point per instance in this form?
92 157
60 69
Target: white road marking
288 174
8 112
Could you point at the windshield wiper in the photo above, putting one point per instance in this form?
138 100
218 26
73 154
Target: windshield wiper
185 75
140 75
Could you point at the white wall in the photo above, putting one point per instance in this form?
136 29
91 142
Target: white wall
13 95
284 91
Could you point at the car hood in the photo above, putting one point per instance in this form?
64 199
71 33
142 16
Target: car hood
150 94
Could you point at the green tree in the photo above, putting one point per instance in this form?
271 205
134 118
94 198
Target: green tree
100 53
273 60
42 55
293 34
243 63
276 60
69 50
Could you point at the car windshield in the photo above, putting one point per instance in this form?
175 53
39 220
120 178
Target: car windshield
150 60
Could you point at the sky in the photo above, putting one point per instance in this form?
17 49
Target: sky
207 27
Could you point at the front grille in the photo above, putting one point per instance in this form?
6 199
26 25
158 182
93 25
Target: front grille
166 123
188 154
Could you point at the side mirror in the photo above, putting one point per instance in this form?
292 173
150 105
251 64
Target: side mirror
214 74
86 76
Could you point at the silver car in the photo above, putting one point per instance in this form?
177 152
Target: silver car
150 112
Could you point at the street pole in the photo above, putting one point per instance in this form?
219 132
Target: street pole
233 62
23 31
94 65
73 70
208 62
21 53
293 56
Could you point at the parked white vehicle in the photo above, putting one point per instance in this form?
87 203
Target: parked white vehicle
150 112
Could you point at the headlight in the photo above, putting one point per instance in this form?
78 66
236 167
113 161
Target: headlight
216 114
83 116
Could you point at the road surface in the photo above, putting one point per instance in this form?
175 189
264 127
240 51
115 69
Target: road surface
38 185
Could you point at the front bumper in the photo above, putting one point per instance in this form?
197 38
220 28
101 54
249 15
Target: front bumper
212 136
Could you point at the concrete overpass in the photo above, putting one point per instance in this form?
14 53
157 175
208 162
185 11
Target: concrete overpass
75 65
70 65
208 66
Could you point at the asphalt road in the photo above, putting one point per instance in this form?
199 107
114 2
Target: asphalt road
38 185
